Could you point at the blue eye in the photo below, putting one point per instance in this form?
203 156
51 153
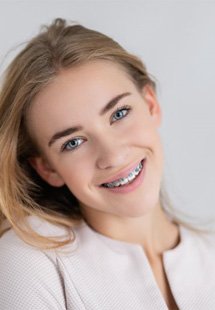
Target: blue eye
72 144
121 113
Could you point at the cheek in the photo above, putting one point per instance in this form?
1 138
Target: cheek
142 132
76 174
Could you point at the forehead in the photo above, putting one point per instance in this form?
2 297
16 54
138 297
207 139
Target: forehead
85 88
93 78
93 84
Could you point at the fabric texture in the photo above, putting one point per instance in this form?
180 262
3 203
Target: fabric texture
96 272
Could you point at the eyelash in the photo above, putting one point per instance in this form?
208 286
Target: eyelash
120 109
127 108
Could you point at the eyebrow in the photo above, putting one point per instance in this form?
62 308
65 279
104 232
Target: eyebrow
110 105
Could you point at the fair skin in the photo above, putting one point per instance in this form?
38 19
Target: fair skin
105 147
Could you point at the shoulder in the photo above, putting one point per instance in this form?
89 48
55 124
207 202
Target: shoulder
12 247
11 243
204 239
30 273
20 261
195 245
206 242
198 244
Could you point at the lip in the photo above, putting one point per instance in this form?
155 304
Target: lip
130 187
123 173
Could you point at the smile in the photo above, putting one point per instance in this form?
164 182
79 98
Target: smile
126 180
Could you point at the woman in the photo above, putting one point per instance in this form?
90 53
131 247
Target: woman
83 218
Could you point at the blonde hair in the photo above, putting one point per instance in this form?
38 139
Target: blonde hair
22 191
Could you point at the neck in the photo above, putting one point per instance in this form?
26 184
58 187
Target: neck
154 231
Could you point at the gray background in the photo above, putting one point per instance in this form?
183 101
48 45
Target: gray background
176 40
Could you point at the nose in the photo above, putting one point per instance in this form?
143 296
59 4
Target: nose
111 153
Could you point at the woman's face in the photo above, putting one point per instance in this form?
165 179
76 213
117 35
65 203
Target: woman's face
87 143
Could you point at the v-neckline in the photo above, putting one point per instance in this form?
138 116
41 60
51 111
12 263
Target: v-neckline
125 247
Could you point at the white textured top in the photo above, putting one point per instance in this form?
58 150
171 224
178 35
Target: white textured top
100 273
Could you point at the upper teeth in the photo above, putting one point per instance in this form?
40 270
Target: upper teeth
131 176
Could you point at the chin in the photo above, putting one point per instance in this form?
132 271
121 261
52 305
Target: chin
137 210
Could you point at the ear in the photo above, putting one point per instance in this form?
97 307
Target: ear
45 171
153 105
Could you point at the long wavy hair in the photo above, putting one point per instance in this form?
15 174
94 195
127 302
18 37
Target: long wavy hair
22 192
